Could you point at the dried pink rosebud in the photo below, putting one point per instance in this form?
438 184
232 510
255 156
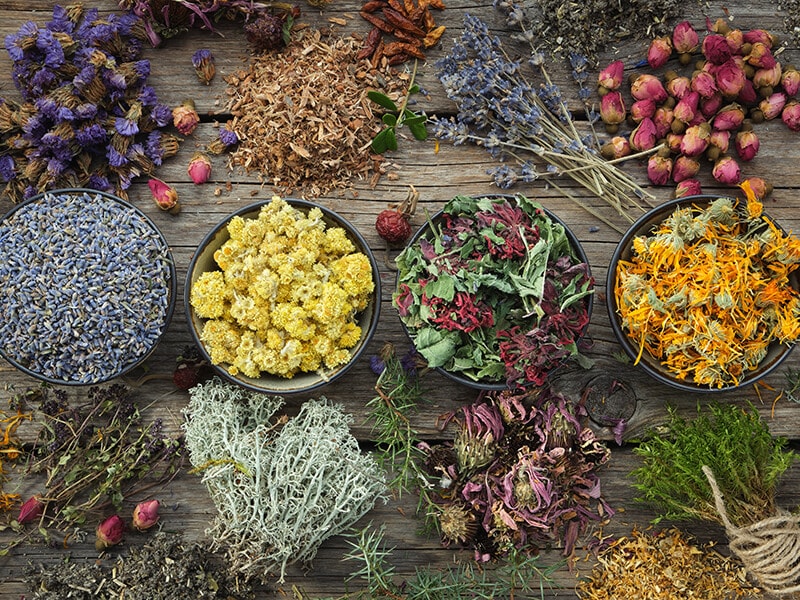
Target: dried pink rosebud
185 117
747 145
768 78
791 115
716 48
735 39
659 169
761 188
616 147
678 87
659 52
695 140
760 56
772 106
730 78
719 26
761 36
729 118
31 510
612 110
703 83
644 136
688 187
685 39
748 95
686 108
642 108
718 144
611 77
109 532
662 118
790 80
726 170
710 106
145 514
673 141
648 86
684 167
199 168
165 196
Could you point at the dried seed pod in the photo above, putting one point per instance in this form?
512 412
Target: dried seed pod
370 44
373 6
377 22
400 21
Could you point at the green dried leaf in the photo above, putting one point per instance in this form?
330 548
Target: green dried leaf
382 100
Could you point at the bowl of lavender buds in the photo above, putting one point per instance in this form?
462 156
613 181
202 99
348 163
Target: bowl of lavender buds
89 286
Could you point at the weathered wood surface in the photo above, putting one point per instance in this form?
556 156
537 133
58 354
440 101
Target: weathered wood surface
437 176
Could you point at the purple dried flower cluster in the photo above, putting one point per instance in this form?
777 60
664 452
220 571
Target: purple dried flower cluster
521 473
88 118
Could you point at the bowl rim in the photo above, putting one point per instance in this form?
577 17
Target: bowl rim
652 217
172 284
574 243
331 216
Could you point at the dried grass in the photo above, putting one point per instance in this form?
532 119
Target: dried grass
303 115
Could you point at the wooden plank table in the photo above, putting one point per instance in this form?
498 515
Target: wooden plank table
437 175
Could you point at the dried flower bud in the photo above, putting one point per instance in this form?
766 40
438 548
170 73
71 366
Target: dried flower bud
662 119
730 78
203 62
716 48
165 196
266 32
695 140
685 40
703 83
729 118
718 143
684 168
644 136
748 95
761 36
659 52
735 39
686 108
612 110
761 188
145 515
659 169
641 109
31 510
617 147
772 106
767 78
185 117
109 532
719 26
710 106
648 86
674 142
726 170
678 87
688 187
790 81
747 145
760 56
199 168
791 115
611 77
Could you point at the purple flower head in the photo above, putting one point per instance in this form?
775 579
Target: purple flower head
201 55
228 137
8 169
376 364
115 159
162 115
100 182
61 22
91 134
147 96
125 126
85 111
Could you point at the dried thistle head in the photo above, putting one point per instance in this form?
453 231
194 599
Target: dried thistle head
458 523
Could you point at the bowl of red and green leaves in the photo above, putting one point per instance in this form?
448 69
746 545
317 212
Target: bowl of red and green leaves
494 291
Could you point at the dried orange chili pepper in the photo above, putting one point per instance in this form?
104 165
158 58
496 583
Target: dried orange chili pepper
708 290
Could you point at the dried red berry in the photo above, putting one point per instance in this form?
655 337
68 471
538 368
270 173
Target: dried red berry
191 369
393 226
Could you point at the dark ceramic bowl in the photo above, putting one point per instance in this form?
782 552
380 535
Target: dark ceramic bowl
776 353
367 320
79 354
425 231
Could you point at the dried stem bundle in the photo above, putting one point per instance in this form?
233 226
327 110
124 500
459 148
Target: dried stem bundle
281 486
303 115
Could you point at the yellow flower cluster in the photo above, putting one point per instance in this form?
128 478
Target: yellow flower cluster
285 298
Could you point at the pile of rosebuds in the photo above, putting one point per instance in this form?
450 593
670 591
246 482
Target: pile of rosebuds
706 115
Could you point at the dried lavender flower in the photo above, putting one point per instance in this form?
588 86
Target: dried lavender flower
281 487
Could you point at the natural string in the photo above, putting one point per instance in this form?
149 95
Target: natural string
769 549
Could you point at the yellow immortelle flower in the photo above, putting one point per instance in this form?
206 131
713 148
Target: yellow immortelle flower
286 295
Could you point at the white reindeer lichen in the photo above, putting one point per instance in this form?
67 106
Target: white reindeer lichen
281 487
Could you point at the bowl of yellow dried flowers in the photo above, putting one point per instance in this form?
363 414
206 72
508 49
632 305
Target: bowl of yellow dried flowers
702 292
283 296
